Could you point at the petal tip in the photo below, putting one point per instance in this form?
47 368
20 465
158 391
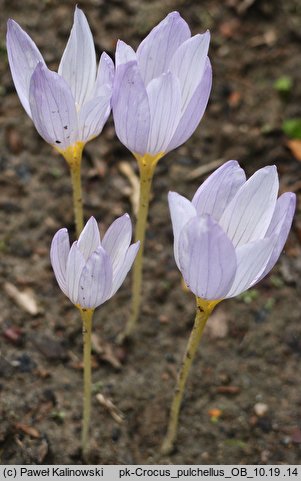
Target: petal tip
171 196
207 35
92 220
232 162
293 195
174 14
78 11
59 233
293 199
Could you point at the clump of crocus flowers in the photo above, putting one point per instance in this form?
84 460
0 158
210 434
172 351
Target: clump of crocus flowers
225 240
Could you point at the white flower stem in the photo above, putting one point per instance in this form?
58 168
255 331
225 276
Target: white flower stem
86 315
203 311
147 165
75 172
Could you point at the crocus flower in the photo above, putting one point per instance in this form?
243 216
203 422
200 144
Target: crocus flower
92 270
161 91
232 233
89 273
159 97
70 107
225 240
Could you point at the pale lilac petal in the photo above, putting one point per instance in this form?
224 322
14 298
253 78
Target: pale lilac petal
194 111
252 259
124 53
181 211
249 214
117 239
89 239
78 63
207 258
75 264
280 226
131 108
95 281
164 97
105 75
124 268
94 114
188 64
59 251
155 52
23 57
218 190
52 107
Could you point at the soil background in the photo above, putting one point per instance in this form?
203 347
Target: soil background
243 398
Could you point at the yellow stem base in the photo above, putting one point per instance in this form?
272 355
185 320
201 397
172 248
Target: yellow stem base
73 156
203 311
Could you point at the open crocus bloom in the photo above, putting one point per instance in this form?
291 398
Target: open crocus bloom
232 233
69 107
161 91
91 271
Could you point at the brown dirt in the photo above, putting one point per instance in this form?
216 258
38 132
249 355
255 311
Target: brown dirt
250 353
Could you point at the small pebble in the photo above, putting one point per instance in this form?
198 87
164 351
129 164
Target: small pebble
260 409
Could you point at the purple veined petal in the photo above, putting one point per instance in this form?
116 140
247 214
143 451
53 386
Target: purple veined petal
218 190
124 53
249 214
89 239
207 258
181 211
252 259
75 264
59 251
94 114
117 239
123 269
52 107
78 63
155 52
188 64
105 75
164 97
194 112
23 57
131 108
95 281
280 226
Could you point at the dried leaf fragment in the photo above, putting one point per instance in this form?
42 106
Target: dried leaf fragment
215 414
228 389
29 430
24 299
14 335
126 169
218 328
204 169
105 351
116 414
295 148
